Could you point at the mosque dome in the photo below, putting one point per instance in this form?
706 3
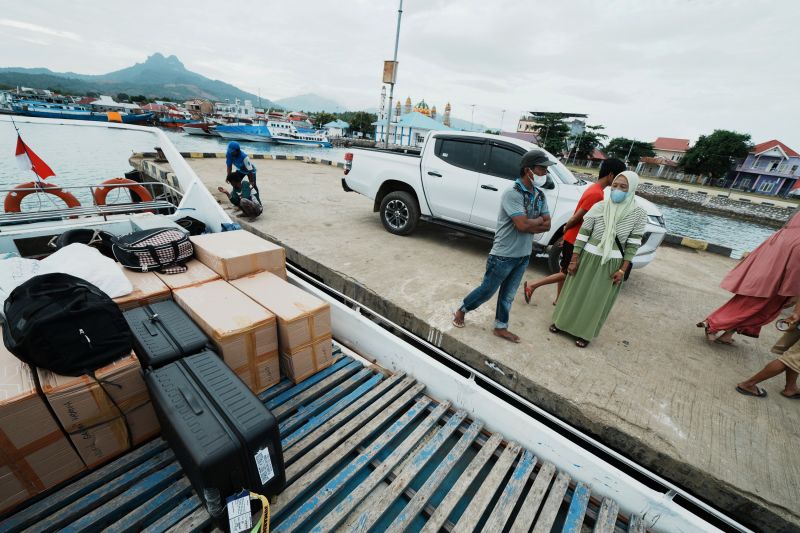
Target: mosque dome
423 108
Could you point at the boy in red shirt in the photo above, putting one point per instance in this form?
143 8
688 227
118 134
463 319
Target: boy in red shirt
609 169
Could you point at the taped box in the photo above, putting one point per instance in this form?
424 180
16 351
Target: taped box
35 455
105 416
304 323
196 274
244 333
233 254
147 289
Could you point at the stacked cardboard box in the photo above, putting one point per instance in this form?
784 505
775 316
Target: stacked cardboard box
103 416
147 288
233 254
196 274
244 333
304 323
34 453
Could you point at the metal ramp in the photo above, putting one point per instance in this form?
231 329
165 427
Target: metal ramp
364 451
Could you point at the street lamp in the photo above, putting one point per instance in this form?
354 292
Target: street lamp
393 77
502 116
472 120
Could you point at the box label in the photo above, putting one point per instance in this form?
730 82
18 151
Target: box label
264 465
239 516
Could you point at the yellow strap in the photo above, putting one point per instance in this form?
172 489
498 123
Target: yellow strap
264 509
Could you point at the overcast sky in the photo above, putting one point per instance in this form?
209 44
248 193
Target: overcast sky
671 68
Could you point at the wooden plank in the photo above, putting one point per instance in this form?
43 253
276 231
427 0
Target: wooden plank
418 501
317 420
59 517
308 383
377 395
636 524
179 512
283 410
195 522
527 513
552 504
293 422
511 493
573 523
444 509
607 516
361 427
340 512
158 505
273 391
62 498
480 502
135 496
296 519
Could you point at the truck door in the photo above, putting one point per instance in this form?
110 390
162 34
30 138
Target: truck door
450 177
499 170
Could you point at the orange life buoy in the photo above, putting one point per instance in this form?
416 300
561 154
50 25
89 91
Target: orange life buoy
14 198
107 186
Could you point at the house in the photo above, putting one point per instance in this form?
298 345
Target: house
658 167
235 110
770 168
199 106
530 137
337 128
408 130
670 149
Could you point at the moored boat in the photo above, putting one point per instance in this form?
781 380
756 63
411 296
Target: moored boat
201 128
245 133
77 112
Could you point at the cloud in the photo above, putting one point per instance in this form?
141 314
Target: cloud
44 30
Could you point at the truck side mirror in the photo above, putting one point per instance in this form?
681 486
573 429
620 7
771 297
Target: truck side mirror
549 184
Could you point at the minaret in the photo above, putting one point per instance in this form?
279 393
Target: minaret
433 112
382 108
446 120
397 110
408 105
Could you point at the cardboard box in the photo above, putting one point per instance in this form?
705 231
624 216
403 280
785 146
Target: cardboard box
244 333
233 254
98 415
196 274
35 455
147 288
304 321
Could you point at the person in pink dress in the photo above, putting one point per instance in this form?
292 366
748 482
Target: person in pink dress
763 284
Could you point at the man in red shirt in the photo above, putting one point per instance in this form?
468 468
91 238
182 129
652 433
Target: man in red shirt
609 169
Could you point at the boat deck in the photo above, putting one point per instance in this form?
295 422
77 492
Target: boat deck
364 450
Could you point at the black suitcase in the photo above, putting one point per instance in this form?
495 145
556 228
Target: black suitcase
163 332
223 436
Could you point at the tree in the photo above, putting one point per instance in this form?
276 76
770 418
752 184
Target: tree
590 139
139 99
715 154
361 121
629 150
553 132
323 118
122 97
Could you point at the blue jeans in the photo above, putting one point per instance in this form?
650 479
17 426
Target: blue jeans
502 273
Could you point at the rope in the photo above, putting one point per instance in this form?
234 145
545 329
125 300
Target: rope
265 511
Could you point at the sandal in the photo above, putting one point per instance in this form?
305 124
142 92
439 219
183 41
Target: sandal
456 323
761 392
581 343
726 343
527 293
709 336
554 329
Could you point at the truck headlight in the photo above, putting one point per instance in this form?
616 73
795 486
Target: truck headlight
656 221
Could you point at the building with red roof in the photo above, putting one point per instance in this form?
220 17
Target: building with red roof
670 149
770 168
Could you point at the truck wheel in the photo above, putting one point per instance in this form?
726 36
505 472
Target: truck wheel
554 259
399 213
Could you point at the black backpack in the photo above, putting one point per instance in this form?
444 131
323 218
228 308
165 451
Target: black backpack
163 249
102 240
65 324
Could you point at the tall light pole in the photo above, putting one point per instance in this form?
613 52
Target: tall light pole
472 120
394 75
502 116
629 152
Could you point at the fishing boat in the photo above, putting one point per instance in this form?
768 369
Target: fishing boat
396 435
77 112
201 128
303 139
245 132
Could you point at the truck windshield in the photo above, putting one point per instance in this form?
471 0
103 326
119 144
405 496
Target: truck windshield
562 174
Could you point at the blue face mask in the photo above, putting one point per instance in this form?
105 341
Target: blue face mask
618 196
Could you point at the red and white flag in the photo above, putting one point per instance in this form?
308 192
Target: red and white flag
28 160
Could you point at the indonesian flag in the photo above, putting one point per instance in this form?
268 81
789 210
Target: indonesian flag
28 160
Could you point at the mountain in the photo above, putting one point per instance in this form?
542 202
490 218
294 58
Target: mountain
158 76
311 102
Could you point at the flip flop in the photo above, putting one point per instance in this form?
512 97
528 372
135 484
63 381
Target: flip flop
455 323
795 396
761 392
526 293
726 343
581 343
554 329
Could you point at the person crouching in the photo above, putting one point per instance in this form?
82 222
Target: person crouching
243 195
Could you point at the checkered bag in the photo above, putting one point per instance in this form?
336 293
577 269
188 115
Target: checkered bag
164 249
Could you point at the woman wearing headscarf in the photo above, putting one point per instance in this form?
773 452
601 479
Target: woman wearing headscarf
610 236
763 284
236 158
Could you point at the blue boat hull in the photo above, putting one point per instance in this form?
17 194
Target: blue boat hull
93 116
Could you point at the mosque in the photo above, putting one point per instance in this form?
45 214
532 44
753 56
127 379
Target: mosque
410 124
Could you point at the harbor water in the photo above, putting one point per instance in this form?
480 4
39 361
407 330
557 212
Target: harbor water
83 156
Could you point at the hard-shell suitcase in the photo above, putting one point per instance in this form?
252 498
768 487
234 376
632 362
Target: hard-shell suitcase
163 332
223 436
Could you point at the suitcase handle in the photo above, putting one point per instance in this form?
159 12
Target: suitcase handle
148 325
191 400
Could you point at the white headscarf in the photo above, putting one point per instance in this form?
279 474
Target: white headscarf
614 213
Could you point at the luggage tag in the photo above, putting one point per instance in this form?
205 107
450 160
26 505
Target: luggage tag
239 516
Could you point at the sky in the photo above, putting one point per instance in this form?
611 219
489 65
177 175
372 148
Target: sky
643 69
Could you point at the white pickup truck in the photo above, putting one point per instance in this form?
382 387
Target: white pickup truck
457 181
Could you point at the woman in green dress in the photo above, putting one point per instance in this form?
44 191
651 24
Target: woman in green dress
609 238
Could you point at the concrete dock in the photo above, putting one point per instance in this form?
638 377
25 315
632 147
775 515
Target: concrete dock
650 386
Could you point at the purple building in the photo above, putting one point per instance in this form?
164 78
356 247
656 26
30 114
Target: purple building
771 168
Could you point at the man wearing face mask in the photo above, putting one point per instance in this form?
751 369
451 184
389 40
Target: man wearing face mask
523 212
